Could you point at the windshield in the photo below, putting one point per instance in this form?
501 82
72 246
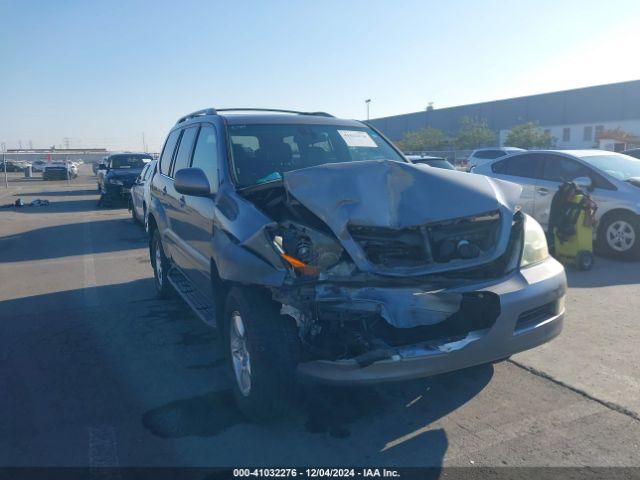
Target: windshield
262 153
622 167
129 161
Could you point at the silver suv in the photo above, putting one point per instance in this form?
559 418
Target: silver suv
320 251
612 179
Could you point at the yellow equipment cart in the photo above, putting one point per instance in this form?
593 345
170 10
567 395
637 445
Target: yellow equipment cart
573 232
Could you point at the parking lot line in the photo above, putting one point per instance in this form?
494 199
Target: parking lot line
90 293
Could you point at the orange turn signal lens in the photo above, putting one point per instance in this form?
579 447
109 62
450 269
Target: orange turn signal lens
300 266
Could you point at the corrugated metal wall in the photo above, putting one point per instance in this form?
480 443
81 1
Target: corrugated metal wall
618 101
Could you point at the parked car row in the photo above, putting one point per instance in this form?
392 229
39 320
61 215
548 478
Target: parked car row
50 169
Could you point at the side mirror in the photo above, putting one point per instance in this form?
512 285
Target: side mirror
192 181
102 166
584 183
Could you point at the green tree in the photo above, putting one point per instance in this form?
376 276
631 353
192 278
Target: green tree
474 133
425 139
528 135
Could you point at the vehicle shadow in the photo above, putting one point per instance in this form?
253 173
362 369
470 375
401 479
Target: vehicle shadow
59 193
153 372
75 381
605 272
56 206
70 239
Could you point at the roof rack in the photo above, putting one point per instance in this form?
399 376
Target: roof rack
213 111
206 111
319 114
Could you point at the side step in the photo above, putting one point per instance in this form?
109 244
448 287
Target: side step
200 305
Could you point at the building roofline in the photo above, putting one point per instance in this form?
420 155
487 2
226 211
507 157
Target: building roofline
476 104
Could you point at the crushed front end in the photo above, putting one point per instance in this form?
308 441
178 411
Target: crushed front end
383 287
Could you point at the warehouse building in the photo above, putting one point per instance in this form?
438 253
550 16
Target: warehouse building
575 118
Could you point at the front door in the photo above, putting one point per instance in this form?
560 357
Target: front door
200 211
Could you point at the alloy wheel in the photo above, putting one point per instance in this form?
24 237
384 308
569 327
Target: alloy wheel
240 354
158 264
621 236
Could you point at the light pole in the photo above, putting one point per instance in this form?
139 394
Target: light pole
367 102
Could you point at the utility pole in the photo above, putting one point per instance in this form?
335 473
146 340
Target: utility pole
367 102
66 142
4 160
144 145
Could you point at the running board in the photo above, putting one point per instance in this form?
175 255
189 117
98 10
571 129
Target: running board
199 304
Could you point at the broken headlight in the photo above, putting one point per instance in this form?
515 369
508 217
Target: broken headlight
308 251
535 248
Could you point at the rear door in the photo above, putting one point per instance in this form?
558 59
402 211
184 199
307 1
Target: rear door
137 191
161 185
556 170
524 170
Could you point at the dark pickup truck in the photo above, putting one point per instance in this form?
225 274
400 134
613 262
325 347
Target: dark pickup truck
320 252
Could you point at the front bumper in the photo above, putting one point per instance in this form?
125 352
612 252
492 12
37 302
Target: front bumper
117 192
523 323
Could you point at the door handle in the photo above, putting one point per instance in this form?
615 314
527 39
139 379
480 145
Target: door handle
183 202
543 191
164 190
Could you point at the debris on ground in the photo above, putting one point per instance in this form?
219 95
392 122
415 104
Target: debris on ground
19 203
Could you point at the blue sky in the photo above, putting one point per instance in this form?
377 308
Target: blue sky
103 72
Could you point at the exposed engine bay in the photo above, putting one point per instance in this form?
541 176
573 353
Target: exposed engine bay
372 268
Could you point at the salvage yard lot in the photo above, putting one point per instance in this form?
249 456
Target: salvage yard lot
97 372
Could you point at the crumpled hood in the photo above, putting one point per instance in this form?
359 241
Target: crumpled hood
381 193
394 194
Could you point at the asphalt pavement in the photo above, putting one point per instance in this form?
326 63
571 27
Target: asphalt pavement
95 371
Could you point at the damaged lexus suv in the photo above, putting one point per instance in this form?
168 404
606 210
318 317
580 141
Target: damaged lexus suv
320 252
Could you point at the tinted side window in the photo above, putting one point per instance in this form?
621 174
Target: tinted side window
205 156
522 166
499 167
167 152
560 169
489 154
183 157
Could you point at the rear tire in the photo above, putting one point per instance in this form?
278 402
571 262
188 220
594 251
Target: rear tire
258 337
134 215
160 265
619 235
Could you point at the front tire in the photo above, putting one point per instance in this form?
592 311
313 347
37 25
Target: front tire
160 266
263 352
619 235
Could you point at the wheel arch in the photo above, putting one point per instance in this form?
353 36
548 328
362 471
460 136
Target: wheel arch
611 213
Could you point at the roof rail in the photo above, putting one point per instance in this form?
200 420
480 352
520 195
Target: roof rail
206 111
277 110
